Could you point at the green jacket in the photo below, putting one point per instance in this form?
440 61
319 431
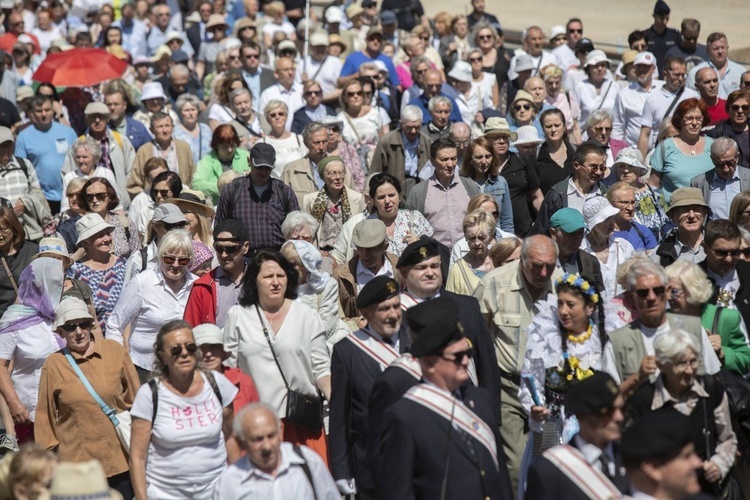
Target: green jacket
736 350
209 169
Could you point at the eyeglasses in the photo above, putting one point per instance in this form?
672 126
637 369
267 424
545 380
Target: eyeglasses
575 31
485 37
355 93
71 327
171 259
599 130
164 193
177 225
475 59
421 71
228 249
643 292
96 196
745 109
433 85
252 56
5 230
176 350
600 168
625 203
723 254
276 115
692 119
335 129
726 164
458 357
519 107
683 365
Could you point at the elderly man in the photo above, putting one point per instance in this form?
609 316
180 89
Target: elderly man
720 185
661 103
433 87
403 152
134 32
17 27
729 71
45 144
460 134
370 260
567 229
622 196
157 35
688 211
372 52
443 198
285 89
660 38
415 445
566 53
688 48
215 292
707 83
272 468
440 108
589 165
596 403
629 355
506 299
630 101
117 103
302 175
357 361
246 121
533 46
178 81
20 186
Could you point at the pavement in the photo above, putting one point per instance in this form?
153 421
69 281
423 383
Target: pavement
611 21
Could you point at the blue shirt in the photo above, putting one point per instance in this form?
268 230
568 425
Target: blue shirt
411 155
722 194
356 59
641 242
253 82
422 101
134 37
47 151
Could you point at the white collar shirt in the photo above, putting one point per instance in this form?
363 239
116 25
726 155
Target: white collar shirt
656 107
364 275
628 111
593 453
292 97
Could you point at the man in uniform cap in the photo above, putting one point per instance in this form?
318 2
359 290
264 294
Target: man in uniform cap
357 361
660 458
440 440
660 38
590 462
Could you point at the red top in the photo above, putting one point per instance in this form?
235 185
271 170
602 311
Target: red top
718 113
248 393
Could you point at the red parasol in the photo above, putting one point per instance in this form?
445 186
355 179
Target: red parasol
79 68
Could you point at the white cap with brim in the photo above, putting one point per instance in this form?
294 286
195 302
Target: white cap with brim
90 225
631 157
527 135
55 248
597 210
153 90
6 135
71 309
595 57
208 333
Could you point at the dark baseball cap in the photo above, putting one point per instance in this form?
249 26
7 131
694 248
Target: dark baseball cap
263 155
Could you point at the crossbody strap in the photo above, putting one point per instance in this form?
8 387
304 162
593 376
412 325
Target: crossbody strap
268 339
605 95
109 412
674 101
10 274
305 469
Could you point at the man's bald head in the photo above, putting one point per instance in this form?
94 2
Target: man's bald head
259 431
707 83
460 133
538 260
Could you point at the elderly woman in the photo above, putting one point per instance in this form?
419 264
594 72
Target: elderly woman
559 98
554 160
299 225
189 129
479 231
155 296
225 155
506 250
413 47
314 110
66 406
338 147
678 159
523 111
182 416
482 165
101 269
295 360
26 339
99 197
142 206
621 195
198 213
334 204
489 204
739 211
288 145
596 91
15 255
737 126
598 126
363 124
87 152
485 82
677 358
220 111
164 218
65 221
689 292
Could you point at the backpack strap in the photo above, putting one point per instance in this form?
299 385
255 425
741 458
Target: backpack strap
640 234
214 386
154 399
278 188
125 224
236 193
305 469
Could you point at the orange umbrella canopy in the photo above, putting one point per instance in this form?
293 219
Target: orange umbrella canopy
79 68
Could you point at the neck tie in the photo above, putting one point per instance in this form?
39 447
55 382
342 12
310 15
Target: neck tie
605 461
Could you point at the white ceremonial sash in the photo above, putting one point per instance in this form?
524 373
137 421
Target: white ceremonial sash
407 301
455 412
380 352
587 478
409 364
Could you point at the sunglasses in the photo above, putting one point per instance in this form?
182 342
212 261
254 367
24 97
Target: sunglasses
176 350
228 249
311 93
171 259
599 130
485 37
575 31
177 225
336 129
164 193
643 292
252 56
458 357
475 59
96 196
277 115
519 107
723 254
745 109
355 93
72 327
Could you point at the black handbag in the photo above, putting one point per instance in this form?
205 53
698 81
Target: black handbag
301 409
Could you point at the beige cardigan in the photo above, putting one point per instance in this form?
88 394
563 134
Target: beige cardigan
137 178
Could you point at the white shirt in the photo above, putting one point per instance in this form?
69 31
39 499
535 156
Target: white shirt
29 349
593 454
565 56
291 97
576 199
299 344
656 106
326 73
469 105
539 61
147 303
589 100
727 83
243 481
628 110
364 275
620 250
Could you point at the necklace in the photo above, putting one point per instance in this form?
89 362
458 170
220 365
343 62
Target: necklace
580 339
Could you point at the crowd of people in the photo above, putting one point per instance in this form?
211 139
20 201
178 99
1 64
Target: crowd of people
368 252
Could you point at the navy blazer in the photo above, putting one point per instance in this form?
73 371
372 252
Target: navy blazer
300 120
136 132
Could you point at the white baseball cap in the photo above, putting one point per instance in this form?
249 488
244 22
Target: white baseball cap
646 58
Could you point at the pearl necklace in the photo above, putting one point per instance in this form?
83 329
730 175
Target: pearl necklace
581 338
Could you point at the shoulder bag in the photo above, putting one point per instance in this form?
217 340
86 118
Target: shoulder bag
122 421
301 409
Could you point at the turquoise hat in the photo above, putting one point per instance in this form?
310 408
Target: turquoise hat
569 220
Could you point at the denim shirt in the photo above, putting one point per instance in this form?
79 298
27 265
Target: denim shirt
498 188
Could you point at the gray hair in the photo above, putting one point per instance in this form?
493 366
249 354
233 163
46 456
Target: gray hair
238 92
722 146
439 99
411 113
186 99
89 144
643 269
368 66
456 127
239 431
415 63
698 289
532 241
597 117
177 240
297 219
274 104
178 68
673 344
312 128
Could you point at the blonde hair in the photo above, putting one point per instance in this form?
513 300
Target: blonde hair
177 240
29 466
480 199
503 249
275 9
75 184
695 282
273 105
290 252
226 179
481 218
618 186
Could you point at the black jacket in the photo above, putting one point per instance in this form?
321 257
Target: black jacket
555 199
742 297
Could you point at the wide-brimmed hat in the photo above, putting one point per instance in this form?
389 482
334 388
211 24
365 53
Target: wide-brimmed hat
55 248
595 57
161 51
71 309
628 57
596 210
499 125
153 90
90 225
633 158
522 95
24 92
215 20
244 22
194 201
686 197
201 255
461 72
81 480
524 63
353 11
174 35
168 213
528 134
335 39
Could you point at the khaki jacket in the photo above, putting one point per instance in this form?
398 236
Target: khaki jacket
298 175
346 276
137 181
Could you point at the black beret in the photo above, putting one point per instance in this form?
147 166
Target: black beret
377 290
414 253
661 8
237 229
594 394
657 434
435 325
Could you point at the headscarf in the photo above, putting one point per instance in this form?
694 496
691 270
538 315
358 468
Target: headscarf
312 260
39 292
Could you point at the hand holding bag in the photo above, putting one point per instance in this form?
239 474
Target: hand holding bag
301 409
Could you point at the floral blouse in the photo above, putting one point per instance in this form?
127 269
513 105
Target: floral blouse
407 221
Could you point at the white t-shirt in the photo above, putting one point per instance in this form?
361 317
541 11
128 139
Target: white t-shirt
187 453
